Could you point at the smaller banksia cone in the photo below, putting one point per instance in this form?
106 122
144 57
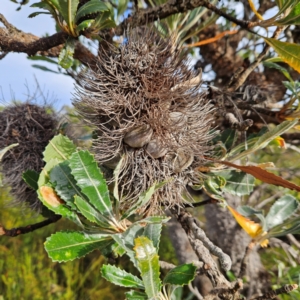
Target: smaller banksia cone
32 127
145 104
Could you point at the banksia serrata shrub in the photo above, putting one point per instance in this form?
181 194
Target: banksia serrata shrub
32 127
146 103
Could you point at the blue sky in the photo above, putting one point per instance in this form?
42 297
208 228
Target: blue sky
17 76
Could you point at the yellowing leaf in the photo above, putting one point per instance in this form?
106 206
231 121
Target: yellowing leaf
259 16
279 141
213 39
289 52
50 196
253 229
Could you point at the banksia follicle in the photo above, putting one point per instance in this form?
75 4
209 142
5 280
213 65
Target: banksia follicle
146 103
32 127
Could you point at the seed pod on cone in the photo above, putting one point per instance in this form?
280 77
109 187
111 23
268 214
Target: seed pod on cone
142 106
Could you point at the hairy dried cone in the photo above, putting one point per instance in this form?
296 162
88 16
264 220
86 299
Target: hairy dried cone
143 101
32 127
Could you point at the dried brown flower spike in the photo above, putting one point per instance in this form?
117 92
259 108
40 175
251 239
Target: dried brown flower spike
32 127
145 103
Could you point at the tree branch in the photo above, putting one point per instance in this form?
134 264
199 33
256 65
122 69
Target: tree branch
172 7
29 228
210 268
244 263
242 74
283 290
15 40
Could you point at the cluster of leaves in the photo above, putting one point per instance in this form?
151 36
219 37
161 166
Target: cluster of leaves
280 220
287 15
72 185
236 182
88 19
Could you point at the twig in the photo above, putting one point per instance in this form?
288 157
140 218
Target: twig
165 265
226 293
225 260
29 228
293 240
197 204
144 16
209 268
244 263
15 40
283 290
242 23
241 75
9 26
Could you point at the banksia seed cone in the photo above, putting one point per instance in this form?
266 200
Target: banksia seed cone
146 103
32 127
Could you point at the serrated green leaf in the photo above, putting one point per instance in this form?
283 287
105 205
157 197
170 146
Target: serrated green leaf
148 262
143 199
121 277
68 9
31 177
60 147
42 58
65 58
237 183
32 15
281 210
44 177
289 52
64 183
91 182
62 210
84 25
90 213
44 5
153 232
181 275
7 148
91 7
43 68
67 245
134 295
125 240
